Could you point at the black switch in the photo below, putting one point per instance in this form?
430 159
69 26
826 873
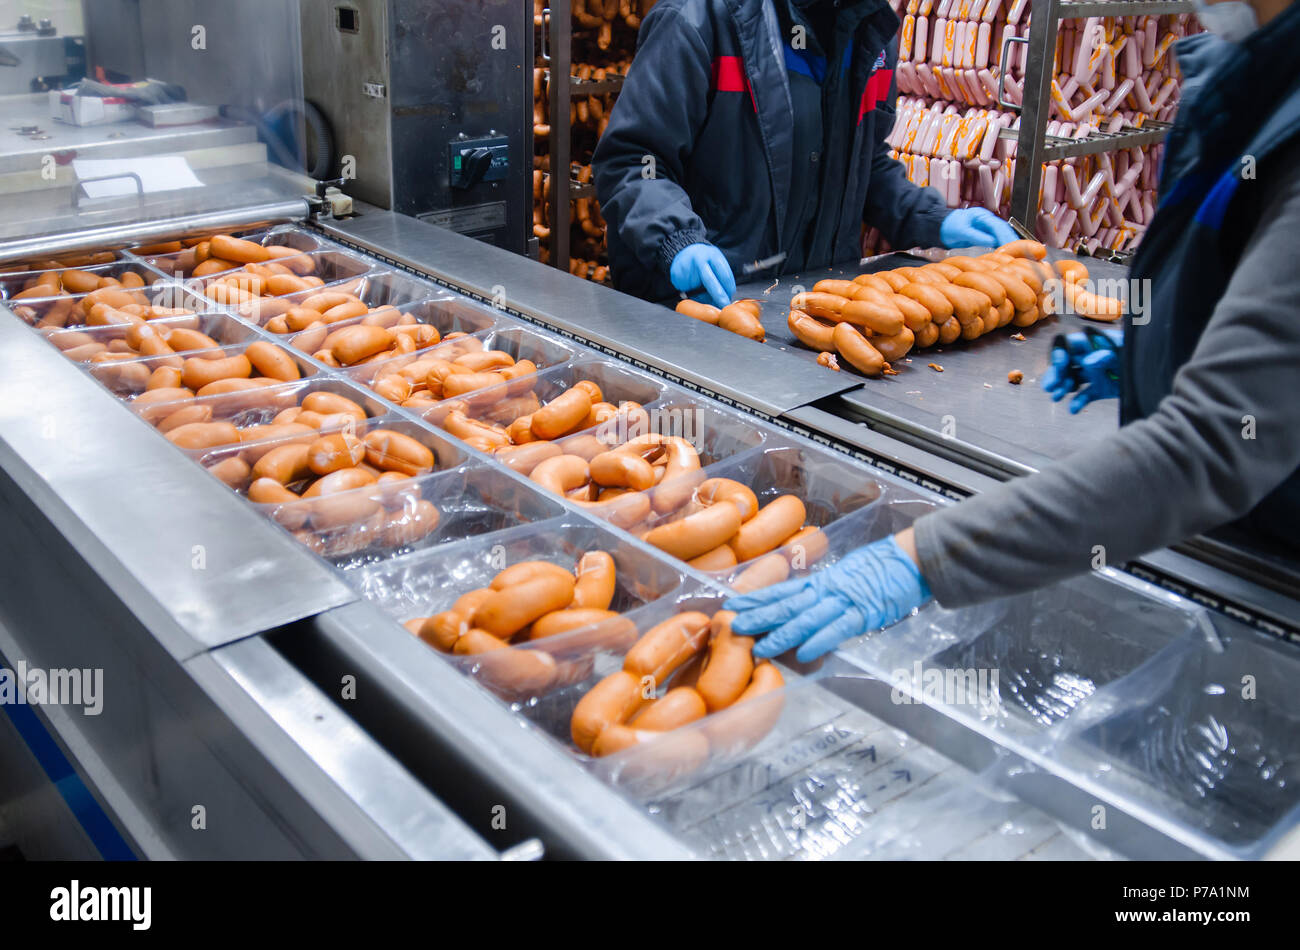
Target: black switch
475 163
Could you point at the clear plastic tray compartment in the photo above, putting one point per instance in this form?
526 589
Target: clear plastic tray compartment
445 314
1213 726
371 525
76 259
81 346
374 289
825 781
430 582
329 264
35 285
829 489
256 407
131 377
519 344
73 310
501 405
1042 653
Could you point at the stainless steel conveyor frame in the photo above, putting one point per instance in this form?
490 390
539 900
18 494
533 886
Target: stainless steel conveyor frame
121 555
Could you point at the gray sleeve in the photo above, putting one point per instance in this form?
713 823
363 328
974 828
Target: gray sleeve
1187 468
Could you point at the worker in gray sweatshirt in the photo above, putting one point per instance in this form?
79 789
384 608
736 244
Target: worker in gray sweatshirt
1208 434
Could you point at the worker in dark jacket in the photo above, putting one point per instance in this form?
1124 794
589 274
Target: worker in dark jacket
754 130
1206 380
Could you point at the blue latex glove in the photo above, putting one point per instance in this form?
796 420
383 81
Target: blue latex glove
968 227
703 265
1087 361
869 588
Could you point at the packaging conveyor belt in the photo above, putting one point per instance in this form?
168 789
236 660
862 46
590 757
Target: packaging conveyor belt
1103 691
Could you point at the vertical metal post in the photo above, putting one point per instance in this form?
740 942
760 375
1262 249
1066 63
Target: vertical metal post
1036 106
560 40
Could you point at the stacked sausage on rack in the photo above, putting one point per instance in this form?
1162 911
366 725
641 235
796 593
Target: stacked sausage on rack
1111 74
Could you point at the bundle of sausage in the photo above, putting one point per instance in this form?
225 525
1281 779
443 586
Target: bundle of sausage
715 670
527 602
461 366
255 266
381 334
118 304
212 371
1111 74
876 319
172 408
90 259
740 316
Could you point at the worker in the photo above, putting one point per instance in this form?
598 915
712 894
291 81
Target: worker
1208 433
754 131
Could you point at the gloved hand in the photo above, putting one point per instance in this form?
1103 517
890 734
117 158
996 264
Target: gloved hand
975 226
1087 361
869 588
703 265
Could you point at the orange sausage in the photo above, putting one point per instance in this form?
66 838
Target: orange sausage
740 319
505 612
610 702
562 414
855 348
775 522
697 533
729 665
596 580
666 646
811 332
700 311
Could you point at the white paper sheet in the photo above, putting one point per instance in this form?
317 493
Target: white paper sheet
164 173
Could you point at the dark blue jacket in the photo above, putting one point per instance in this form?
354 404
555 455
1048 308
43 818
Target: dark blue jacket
1240 109
699 146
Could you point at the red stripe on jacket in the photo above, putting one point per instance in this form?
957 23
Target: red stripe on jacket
729 76
876 91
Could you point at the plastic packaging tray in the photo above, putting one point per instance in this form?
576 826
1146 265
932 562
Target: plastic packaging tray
374 288
128 378
445 315
12 284
222 327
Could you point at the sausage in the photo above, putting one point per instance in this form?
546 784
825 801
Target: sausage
468 430
234 249
328 403
442 630
696 533
610 702
700 311
678 707
1024 248
1087 304
1021 295
840 288
596 580
524 458
775 522
855 348
521 672
729 665
353 344
874 282
740 319
894 348
949 330
396 452
666 646
507 611
234 471
882 319
764 572
198 372
1071 271
333 452
820 305
622 470
968 305
985 284
811 332
915 315
714 490
719 559
681 471
562 414
561 474
285 463
805 547
572 618
203 435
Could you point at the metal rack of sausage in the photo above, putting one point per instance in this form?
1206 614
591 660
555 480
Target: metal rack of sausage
358 620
